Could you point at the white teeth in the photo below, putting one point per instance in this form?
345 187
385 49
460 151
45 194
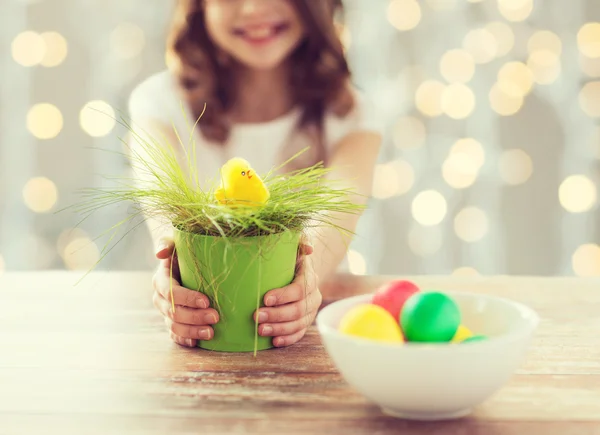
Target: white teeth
260 32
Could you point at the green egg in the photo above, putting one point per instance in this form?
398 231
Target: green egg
474 338
430 317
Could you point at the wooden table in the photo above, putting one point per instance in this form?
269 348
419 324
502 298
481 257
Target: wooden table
96 359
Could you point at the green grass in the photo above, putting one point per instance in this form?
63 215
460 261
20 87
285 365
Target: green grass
170 191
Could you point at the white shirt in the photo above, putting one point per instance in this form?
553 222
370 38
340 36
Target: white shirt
262 144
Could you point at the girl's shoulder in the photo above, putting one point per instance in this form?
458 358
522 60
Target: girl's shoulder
156 97
364 116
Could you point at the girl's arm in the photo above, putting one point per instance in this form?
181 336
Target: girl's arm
352 161
159 230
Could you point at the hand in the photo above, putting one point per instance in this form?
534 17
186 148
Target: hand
290 310
192 315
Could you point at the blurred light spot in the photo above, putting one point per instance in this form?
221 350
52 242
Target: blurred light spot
428 98
515 10
465 271
545 40
44 121
409 132
577 194
127 40
586 260
457 66
503 103
503 35
356 263
429 208
588 40
515 166
28 48
425 241
458 101
441 5
471 224
589 99
482 45
392 179
545 66
97 118
459 171
67 236
471 148
590 67
404 14
81 254
461 168
515 79
2 265
56 49
40 194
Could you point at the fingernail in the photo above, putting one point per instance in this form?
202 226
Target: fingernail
210 318
267 330
262 316
204 334
270 301
189 342
201 302
162 244
278 341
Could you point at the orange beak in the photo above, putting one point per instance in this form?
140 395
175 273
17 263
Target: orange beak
248 173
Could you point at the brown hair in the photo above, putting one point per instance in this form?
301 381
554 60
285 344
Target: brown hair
319 77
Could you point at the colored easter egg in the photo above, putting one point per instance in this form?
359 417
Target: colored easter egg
474 338
462 333
430 317
372 322
393 295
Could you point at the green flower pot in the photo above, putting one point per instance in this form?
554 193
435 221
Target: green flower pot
235 274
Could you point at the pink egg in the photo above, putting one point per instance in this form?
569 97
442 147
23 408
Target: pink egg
393 295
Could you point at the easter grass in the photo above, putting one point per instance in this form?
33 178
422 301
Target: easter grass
166 190
171 192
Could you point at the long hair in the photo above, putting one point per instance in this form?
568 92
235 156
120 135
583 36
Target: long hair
319 77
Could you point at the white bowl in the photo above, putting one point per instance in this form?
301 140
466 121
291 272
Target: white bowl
439 380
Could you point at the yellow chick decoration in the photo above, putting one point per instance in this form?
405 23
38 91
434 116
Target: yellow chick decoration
241 185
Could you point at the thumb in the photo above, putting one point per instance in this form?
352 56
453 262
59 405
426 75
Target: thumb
165 247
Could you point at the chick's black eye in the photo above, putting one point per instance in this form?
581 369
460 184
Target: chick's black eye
243 173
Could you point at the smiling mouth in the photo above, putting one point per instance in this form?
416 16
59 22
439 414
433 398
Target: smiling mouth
261 34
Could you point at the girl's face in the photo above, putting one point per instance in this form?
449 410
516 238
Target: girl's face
258 33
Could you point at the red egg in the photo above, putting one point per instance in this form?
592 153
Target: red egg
393 295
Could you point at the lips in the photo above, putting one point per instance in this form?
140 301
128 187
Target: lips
261 33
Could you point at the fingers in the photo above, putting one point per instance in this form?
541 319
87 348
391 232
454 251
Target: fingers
291 311
284 295
286 328
181 296
187 342
190 331
185 315
288 340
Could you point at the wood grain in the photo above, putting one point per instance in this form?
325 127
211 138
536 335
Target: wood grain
96 359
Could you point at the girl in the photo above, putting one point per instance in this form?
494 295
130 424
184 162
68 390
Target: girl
274 79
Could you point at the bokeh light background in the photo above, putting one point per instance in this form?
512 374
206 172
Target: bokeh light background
491 161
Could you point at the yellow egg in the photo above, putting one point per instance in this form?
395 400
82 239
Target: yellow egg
372 322
462 333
